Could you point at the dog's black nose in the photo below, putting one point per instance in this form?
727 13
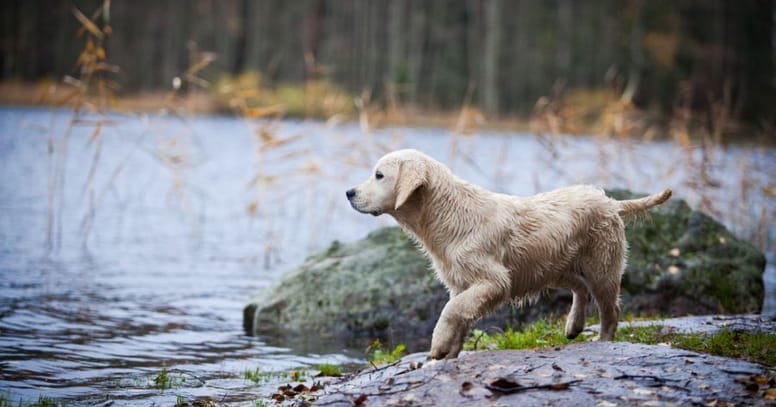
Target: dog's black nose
350 193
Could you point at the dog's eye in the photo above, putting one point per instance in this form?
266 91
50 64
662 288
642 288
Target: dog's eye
378 175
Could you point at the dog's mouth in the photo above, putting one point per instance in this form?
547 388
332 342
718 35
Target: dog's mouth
365 211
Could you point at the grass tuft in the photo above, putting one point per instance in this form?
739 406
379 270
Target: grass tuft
378 356
540 334
7 401
327 369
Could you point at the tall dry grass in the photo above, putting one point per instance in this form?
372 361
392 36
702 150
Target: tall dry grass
91 94
699 137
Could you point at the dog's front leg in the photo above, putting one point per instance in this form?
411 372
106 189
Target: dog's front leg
459 314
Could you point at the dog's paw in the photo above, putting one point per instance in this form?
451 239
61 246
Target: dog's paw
435 355
447 341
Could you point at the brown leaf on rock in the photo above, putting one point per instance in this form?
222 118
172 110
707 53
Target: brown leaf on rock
770 394
760 379
503 385
559 386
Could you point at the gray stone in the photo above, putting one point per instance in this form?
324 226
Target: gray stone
580 374
707 324
681 262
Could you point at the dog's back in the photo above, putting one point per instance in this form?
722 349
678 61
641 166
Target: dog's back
556 230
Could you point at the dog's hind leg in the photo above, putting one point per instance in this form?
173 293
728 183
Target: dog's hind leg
602 270
604 284
607 299
575 322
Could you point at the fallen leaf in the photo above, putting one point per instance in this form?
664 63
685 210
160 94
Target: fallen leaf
360 400
559 386
301 388
504 385
770 394
760 379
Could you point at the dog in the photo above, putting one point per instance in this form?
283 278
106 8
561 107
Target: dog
489 249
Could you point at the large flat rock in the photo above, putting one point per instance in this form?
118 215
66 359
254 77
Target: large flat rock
580 374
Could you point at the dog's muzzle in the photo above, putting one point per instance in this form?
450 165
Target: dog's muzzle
350 194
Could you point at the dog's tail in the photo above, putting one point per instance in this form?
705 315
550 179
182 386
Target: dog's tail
633 207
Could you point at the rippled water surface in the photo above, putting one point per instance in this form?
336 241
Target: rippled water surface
133 249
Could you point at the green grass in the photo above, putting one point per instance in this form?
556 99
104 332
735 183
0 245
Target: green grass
540 334
327 369
258 376
755 347
378 356
165 381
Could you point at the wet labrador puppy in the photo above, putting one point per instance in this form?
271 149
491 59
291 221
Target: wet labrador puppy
489 248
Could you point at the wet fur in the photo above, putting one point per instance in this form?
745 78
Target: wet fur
489 249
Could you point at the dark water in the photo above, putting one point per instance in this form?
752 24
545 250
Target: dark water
135 250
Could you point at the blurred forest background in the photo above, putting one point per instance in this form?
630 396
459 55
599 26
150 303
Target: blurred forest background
710 58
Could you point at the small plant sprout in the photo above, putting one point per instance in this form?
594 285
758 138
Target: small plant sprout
378 356
327 369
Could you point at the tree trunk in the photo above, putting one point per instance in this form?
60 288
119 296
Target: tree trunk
490 56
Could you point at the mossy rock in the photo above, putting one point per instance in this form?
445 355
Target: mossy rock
681 262
366 289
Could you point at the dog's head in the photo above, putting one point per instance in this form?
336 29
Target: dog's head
395 177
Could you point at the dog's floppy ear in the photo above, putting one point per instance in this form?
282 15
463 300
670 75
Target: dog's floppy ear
412 175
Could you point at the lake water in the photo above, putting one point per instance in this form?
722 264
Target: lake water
133 249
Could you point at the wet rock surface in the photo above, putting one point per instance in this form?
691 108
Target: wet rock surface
590 373
710 324
681 262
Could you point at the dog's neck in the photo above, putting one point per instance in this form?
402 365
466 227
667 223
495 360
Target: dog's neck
433 213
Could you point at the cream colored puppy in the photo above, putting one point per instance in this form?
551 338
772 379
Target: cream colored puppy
489 249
